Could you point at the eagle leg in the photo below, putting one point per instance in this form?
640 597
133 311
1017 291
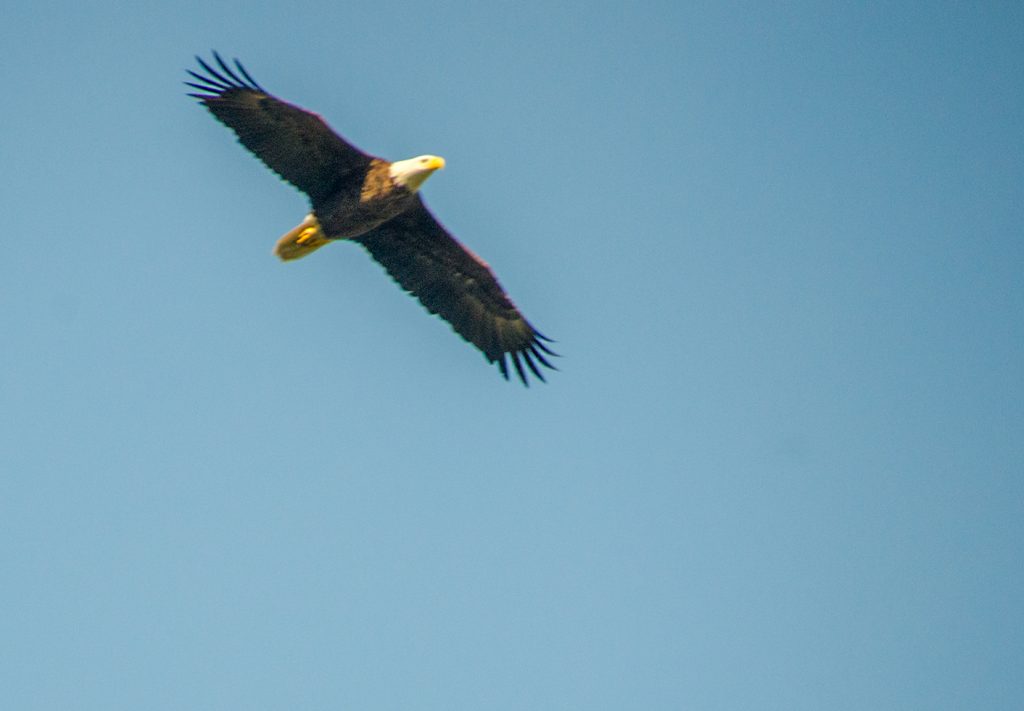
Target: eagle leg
301 241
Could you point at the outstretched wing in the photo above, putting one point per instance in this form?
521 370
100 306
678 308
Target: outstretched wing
296 144
458 286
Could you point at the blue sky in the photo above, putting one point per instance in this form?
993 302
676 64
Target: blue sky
780 247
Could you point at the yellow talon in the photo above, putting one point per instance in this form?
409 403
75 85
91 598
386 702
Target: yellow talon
307 235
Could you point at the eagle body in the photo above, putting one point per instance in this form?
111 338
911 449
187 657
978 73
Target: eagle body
376 203
357 206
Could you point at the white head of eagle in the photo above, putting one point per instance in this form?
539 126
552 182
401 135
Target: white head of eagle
411 173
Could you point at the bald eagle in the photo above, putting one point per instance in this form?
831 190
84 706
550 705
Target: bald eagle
359 197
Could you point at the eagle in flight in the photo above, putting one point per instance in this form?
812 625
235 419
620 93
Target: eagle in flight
360 197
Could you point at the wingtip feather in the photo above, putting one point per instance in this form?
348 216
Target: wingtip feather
519 368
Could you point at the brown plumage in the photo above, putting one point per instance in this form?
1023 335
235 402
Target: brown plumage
357 196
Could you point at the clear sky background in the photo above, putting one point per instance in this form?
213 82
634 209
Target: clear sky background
782 467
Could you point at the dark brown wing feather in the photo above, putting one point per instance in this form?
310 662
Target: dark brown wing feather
296 144
453 283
